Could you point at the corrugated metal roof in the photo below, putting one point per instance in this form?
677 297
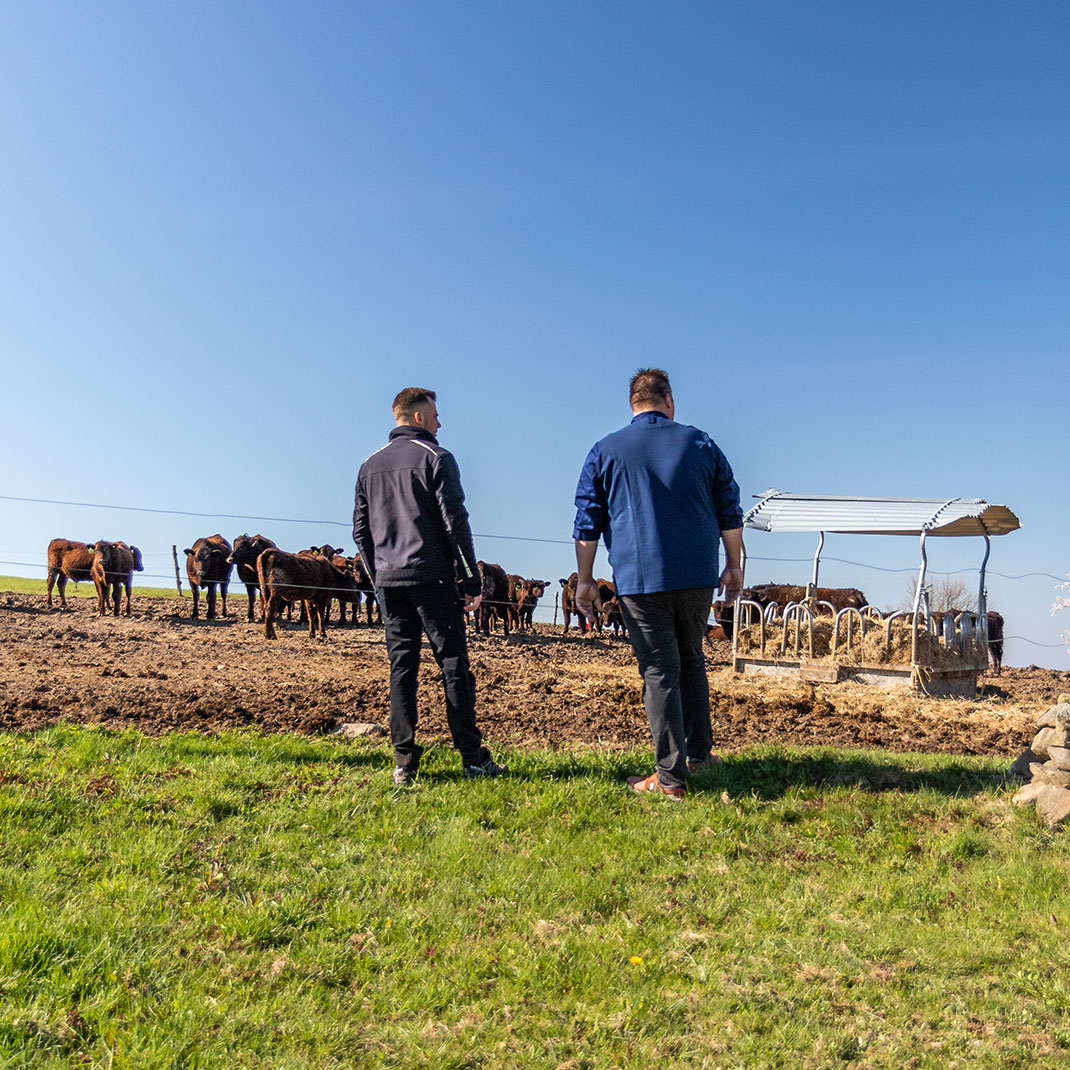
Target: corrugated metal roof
781 511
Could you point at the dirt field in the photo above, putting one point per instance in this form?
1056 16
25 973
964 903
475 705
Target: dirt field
158 670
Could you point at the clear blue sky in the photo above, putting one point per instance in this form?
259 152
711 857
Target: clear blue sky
232 231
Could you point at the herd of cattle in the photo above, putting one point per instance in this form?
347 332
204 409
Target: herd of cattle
316 577
312 578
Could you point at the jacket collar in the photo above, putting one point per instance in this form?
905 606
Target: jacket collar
408 431
650 416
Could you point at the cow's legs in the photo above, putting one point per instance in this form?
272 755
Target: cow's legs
272 605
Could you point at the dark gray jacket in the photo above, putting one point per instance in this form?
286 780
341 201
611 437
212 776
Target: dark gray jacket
409 521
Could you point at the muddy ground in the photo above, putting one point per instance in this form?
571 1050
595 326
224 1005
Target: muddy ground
159 670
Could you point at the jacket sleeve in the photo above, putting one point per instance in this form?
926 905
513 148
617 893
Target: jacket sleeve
725 493
450 498
591 511
362 535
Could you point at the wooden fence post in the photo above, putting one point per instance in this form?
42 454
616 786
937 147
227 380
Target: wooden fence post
178 575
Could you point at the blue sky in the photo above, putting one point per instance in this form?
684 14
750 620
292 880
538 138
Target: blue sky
233 231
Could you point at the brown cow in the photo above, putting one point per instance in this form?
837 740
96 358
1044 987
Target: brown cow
367 588
516 588
347 589
68 560
611 615
995 640
568 603
105 570
782 594
534 590
208 564
495 591
246 549
128 562
307 577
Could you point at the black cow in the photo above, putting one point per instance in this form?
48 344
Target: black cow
208 564
244 554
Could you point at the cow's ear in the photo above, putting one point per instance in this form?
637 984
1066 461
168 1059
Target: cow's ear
187 551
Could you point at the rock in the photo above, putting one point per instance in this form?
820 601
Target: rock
1059 757
359 730
1049 774
1055 715
1053 805
1057 735
1020 769
1027 794
1063 699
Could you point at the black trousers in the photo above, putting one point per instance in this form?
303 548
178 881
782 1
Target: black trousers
666 630
433 609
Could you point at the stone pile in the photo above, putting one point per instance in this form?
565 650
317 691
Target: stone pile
1045 766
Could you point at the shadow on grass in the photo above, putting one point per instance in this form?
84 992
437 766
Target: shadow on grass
772 776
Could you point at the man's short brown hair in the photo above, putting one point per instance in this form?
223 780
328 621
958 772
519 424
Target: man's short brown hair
649 386
410 399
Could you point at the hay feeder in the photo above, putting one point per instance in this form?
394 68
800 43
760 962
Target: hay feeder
938 654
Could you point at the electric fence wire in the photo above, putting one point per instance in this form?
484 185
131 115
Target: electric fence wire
476 535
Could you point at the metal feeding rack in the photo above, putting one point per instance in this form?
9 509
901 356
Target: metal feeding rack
819 641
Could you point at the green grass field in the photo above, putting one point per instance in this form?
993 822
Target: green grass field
245 901
20 585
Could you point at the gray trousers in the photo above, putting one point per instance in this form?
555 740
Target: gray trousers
666 630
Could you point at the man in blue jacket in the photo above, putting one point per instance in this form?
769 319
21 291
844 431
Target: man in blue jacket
662 497
411 530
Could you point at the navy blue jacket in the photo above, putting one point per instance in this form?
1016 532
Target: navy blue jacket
659 494
409 520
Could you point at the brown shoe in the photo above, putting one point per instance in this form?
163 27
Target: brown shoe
694 767
651 783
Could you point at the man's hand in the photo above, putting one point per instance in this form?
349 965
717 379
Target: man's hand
731 584
587 600
471 602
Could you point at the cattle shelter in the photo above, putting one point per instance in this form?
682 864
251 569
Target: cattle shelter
938 654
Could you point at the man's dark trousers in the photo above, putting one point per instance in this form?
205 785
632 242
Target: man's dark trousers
667 629
409 612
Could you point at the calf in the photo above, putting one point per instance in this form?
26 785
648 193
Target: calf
495 591
68 560
108 562
534 590
129 563
208 564
308 577
243 555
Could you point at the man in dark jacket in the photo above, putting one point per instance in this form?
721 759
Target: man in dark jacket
662 497
411 529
